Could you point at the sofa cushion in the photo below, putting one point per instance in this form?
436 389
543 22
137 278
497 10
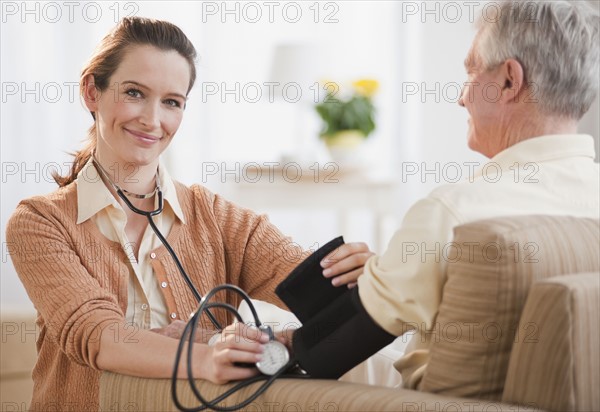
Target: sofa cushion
489 278
128 393
556 368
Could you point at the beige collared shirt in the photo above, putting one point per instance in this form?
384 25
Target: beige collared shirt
146 307
402 289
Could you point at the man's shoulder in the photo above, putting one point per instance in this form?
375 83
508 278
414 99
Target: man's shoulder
474 195
465 188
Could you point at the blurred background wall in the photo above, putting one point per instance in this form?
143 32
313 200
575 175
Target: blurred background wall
241 114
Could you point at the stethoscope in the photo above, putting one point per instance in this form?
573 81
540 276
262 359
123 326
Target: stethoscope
276 360
123 194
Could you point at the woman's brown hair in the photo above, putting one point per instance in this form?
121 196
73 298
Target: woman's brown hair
131 31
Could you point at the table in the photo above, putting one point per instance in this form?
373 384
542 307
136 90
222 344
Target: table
270 186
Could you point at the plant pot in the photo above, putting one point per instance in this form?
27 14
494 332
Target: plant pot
345 148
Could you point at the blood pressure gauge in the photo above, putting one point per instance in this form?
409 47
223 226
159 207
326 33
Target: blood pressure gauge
274 357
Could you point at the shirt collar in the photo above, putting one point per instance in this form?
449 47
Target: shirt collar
540 149
93 195
167 185
548 147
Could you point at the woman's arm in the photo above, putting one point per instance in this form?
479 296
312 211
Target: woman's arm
83 317
151 355
265 256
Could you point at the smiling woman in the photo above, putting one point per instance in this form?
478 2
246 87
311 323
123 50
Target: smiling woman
135 65
136 121
138 125
99 278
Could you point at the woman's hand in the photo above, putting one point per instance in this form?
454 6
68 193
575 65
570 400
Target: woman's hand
345 264
238 344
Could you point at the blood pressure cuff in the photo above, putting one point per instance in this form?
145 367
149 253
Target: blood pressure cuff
306 291
338 338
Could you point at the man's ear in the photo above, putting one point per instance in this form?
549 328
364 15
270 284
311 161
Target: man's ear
91 94
514 80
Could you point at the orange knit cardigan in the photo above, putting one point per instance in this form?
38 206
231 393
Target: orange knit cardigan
77 278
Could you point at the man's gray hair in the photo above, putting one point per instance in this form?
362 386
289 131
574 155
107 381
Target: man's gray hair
557 44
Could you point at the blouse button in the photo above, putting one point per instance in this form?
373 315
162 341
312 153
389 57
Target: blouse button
152 255
144 306
173 315
163 285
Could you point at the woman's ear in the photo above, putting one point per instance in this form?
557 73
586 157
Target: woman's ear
91 94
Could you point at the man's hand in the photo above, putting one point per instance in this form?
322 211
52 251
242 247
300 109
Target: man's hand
345 264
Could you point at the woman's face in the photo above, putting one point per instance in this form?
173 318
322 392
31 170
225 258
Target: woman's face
140 111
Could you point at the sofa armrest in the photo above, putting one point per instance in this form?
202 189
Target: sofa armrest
17 356
122 393
554 364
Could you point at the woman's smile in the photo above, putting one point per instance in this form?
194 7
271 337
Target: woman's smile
143 137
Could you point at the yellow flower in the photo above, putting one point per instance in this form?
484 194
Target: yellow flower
366 87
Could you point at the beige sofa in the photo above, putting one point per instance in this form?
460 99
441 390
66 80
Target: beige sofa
17 357
517 330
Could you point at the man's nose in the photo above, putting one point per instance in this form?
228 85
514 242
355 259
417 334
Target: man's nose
461 101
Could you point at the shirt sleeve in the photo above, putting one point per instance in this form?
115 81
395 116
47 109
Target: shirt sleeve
401 289
72 304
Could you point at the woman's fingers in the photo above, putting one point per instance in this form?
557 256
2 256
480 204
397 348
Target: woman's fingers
226 364
240 331
232 351
239 345
232 355
227 373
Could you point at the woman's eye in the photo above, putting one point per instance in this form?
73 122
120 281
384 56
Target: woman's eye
173 103
134 93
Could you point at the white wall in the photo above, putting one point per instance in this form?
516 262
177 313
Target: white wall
436 39
44 45
410 47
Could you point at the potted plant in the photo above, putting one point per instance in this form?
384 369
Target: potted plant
347 119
